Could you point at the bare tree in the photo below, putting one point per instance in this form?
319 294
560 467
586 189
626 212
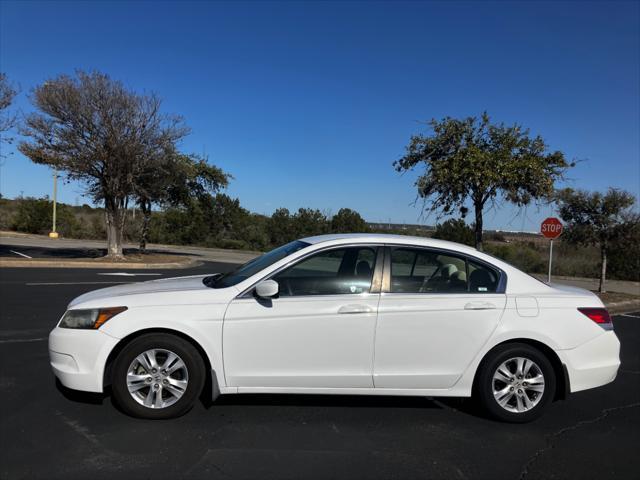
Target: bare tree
8 119
98 132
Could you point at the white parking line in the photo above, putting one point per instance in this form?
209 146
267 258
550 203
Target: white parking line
72 283
21 254
23 340
627 315
127 274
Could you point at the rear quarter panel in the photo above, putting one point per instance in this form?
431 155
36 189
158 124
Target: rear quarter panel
557 323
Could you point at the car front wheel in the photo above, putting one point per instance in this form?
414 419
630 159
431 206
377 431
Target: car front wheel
158 376
516 383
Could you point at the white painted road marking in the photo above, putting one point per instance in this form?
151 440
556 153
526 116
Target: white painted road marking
21 254
627 315
127 274
23 340
73 283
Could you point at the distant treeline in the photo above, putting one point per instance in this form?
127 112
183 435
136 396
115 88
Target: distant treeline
210 221
222 222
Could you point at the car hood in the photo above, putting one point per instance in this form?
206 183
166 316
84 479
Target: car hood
164 285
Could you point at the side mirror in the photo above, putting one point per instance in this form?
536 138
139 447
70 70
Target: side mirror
267 289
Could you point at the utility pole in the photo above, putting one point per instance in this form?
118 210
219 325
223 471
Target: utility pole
53 233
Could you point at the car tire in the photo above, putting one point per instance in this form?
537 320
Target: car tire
515 383
157 376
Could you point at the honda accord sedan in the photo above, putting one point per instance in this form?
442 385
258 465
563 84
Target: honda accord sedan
348 314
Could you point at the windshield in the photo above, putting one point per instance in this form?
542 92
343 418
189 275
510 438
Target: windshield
254 266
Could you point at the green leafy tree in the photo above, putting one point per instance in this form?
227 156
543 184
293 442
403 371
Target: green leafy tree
97 132
227 216
455 230
255 232
280 227
348 221
173 180
474 161
595 218
624 257
308 222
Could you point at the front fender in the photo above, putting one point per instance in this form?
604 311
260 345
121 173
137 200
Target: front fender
201 323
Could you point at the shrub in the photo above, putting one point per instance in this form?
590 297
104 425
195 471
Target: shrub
348 221
520 255
35 215
455 230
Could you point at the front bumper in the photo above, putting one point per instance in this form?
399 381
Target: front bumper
594 363
78 357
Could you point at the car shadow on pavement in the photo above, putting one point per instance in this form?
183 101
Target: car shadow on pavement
82 397
462 405
295 400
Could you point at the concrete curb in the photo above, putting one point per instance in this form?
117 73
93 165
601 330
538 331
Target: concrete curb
625 306
38 263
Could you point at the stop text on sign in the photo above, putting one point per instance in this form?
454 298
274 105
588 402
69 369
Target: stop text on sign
551 228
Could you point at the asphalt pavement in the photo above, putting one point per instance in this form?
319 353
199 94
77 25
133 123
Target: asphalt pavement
50 433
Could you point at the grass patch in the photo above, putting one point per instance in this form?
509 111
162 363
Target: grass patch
615 297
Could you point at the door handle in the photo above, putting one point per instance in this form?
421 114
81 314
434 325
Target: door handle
479 306
346 309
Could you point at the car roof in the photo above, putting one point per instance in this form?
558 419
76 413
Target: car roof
388 238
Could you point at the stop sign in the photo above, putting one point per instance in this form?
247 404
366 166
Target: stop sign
551 228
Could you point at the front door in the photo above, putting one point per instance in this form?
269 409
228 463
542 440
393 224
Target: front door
436 312
319 332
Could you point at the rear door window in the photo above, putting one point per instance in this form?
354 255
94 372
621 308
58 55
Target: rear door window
421 270
482 279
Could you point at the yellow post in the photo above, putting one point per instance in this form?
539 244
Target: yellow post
53 233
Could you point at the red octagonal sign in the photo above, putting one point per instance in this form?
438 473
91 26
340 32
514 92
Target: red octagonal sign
551 228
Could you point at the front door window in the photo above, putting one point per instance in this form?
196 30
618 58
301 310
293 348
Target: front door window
333 272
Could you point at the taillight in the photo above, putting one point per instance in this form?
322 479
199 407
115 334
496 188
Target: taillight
598 315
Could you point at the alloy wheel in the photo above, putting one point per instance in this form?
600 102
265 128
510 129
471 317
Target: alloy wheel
518 384
157 378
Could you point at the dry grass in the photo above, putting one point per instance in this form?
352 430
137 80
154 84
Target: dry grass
615 297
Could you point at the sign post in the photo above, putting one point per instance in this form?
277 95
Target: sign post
550 260
551 228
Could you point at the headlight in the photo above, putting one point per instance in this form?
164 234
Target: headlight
89 319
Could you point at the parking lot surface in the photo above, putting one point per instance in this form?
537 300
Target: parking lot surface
49 433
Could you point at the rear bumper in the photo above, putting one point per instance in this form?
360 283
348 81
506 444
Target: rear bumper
594 363
78 357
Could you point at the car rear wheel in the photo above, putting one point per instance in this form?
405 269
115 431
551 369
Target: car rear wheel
516 383
158 376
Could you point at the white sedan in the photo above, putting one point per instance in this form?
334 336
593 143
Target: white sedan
341 314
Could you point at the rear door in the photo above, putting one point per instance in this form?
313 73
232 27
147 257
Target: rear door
436 311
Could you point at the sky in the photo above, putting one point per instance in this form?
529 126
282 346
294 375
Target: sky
308 104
